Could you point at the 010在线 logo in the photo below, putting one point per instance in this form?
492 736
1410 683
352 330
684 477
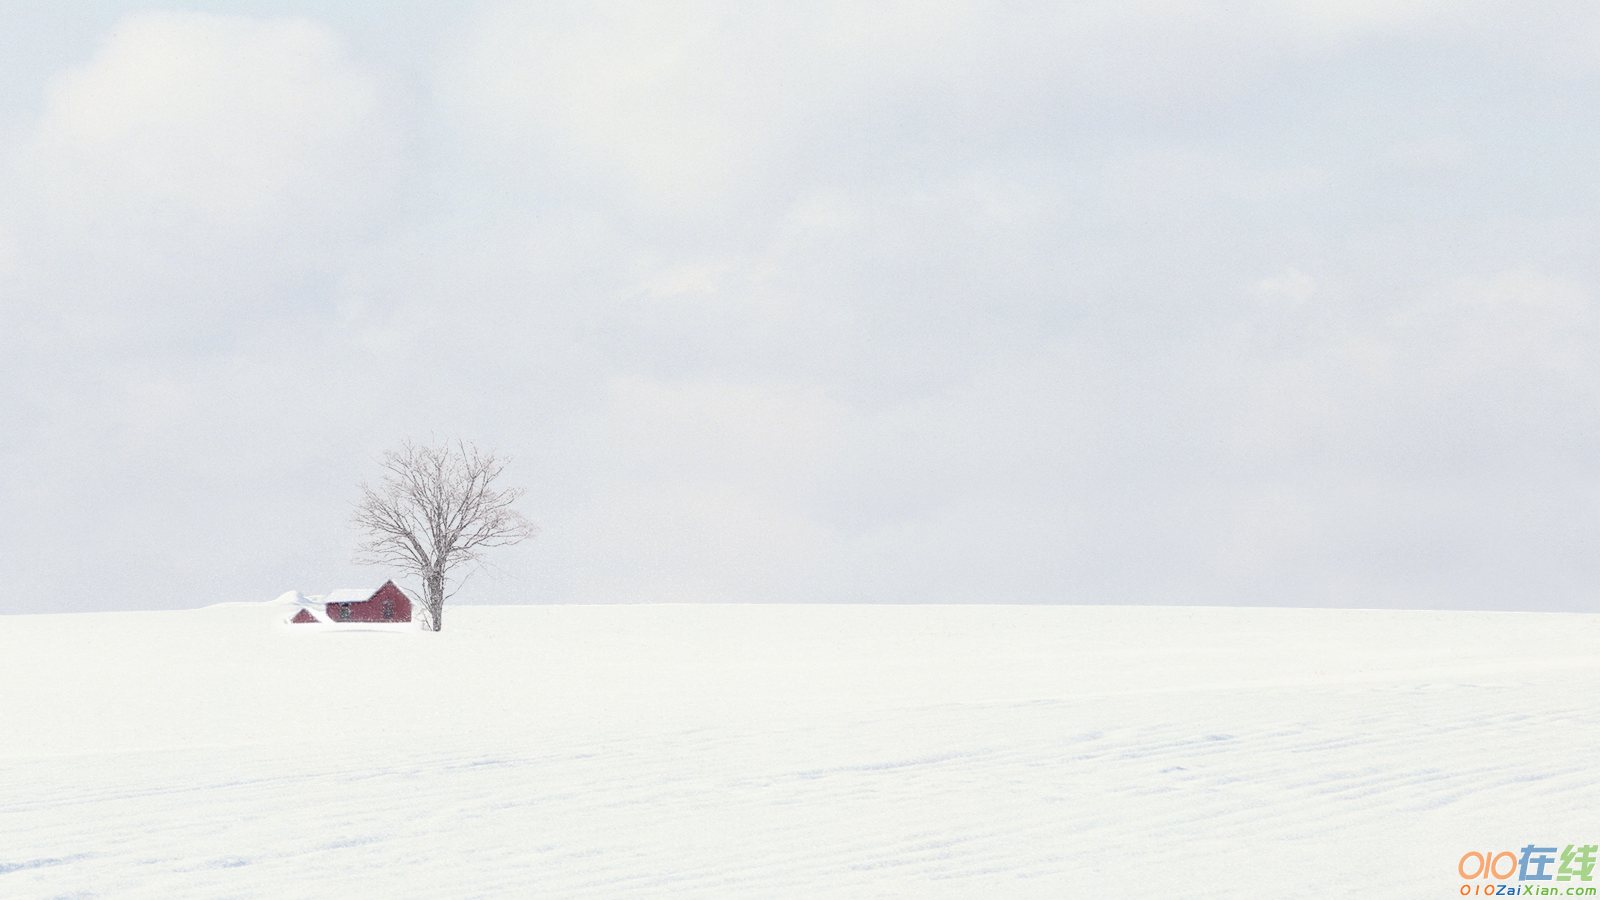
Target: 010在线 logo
1574 862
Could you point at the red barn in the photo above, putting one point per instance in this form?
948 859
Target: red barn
386 604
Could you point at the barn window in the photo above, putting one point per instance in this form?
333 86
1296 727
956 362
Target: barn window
344 612
388 609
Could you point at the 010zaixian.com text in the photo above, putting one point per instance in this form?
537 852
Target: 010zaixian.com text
1574 862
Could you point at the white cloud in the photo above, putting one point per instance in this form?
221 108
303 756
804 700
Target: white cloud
699 107
1512 324
206 160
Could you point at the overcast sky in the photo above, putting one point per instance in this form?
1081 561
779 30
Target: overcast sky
1276 303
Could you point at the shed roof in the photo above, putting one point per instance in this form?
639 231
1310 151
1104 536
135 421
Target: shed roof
297 601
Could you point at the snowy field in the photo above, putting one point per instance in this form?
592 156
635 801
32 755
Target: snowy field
791 751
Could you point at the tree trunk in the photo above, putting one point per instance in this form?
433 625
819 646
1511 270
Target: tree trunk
436 600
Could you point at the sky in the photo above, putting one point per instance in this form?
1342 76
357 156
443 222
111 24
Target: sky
1284 303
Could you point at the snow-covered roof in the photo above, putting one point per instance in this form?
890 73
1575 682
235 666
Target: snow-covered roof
351 595
296 601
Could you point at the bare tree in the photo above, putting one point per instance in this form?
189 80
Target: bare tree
434 510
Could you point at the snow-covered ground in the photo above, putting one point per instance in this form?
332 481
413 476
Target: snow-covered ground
791 751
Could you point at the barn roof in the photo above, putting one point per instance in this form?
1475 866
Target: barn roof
351 595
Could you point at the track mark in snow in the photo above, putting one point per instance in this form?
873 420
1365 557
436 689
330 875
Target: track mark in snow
7 868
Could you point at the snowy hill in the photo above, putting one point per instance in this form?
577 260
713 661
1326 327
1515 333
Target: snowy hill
791 751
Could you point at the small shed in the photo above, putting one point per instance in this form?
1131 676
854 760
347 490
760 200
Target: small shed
386 604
